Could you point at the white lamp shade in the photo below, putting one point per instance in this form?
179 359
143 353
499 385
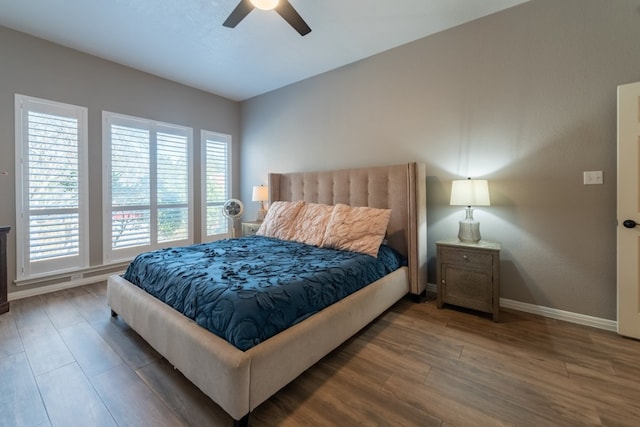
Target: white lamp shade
260 193
470 192
265 4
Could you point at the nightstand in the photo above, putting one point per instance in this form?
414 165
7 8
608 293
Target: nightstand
250 228
469 275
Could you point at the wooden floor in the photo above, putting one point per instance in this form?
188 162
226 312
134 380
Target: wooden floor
65 362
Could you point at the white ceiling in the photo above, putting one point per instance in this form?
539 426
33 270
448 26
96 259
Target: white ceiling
184 40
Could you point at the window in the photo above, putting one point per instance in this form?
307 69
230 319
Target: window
216 183
147 185
51 187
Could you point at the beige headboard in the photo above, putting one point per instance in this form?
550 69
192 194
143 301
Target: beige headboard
401 188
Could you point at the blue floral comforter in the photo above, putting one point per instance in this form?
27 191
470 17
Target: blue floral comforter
248 289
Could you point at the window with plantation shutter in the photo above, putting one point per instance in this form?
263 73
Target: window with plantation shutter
216 183
147 185
52 198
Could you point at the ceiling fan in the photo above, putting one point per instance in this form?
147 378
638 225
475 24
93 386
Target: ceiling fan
283 7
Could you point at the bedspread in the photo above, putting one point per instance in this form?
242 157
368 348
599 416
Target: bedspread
248 289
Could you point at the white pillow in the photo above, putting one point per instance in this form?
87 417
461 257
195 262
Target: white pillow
311 223
279 220
358 229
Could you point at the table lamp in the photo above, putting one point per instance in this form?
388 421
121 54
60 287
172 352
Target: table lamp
260 194
469 192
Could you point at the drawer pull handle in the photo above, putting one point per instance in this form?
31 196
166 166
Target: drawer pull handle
466 258
444 281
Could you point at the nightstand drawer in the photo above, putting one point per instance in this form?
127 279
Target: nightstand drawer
466 257
250 228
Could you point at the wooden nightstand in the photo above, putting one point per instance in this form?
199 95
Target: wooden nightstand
469 275
250 228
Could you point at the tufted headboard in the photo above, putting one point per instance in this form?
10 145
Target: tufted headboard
401 188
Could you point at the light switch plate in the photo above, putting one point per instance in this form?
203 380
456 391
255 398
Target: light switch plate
592 177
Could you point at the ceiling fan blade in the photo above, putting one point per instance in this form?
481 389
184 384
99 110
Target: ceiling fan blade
239 13
290 15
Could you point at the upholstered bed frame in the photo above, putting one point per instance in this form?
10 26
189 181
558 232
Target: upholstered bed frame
240 381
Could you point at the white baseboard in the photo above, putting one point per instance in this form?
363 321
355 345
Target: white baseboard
59 286
567 316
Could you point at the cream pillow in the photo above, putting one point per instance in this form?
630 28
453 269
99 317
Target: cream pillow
311 223
279 220
358 229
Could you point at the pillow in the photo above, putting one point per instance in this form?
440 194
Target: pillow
311 223
279 219
358 229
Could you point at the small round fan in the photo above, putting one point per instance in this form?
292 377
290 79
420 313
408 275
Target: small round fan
233 210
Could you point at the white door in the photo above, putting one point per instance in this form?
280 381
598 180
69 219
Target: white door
628 210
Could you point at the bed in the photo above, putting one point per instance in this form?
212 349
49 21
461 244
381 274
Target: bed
238 381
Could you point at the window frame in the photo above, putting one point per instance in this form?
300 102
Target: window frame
225 139
111 255
26 268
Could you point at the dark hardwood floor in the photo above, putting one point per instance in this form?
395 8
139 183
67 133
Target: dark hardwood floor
65 362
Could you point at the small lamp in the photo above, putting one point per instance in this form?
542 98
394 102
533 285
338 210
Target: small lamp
469 192
260 194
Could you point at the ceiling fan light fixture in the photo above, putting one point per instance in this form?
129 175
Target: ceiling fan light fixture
265 4
283 8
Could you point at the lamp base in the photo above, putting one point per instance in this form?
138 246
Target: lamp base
469 230
262 212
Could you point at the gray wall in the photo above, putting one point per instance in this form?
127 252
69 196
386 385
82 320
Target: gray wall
34 67
525 98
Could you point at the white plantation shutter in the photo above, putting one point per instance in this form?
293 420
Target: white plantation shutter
130 187
173 187
51 146
216 185
148 187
